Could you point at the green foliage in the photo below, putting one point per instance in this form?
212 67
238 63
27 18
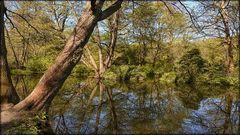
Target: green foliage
138 73
39 64
214 72
81 71
132 73
147 71
156 35
21 72
110 75
190 66
168 77
150 73
216 75
30 125
123 72
128 57
224 81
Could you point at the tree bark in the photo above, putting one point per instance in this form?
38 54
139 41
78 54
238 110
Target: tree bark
113 22
113 38
8 92
228 39
57 73
104 63
13 51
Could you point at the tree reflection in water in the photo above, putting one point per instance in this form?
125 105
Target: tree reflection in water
215 115
148 107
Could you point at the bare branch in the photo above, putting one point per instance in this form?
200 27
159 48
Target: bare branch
73 10
190 15
14 26
83 59
93 62
167 7
11 45
23 19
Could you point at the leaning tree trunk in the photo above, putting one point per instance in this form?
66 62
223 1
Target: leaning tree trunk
8 92
57 73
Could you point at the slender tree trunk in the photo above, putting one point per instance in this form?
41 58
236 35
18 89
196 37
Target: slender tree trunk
99 108
227 116
8 92
100 54
57 73
24 53
113 26
113 37
228 39
12 48
113 111
104 64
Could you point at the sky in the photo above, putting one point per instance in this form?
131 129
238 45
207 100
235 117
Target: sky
191 4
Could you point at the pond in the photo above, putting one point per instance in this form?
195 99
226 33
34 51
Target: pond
87 106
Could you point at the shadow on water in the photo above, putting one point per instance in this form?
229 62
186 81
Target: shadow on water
99 107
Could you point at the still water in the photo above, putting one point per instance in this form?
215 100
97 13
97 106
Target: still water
87 106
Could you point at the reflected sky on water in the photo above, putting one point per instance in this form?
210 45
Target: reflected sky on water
83 107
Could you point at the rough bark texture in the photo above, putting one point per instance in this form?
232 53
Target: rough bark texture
8 92
57 73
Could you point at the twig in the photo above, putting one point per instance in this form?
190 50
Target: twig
190 15
167 7
14 26
23 19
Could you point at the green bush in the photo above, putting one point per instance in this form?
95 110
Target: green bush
224 81
168 77
81 71
21 72
216 70
190 66
149 71
123 72
39 64
31 125
128 57
109 75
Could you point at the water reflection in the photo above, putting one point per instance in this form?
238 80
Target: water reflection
215 115
84 107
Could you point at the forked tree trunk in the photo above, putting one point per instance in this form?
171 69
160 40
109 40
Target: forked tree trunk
8 92
57 73
104 63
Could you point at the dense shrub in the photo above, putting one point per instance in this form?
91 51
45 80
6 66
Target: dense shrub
128 57
190 66
168 77
81 71
39 64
